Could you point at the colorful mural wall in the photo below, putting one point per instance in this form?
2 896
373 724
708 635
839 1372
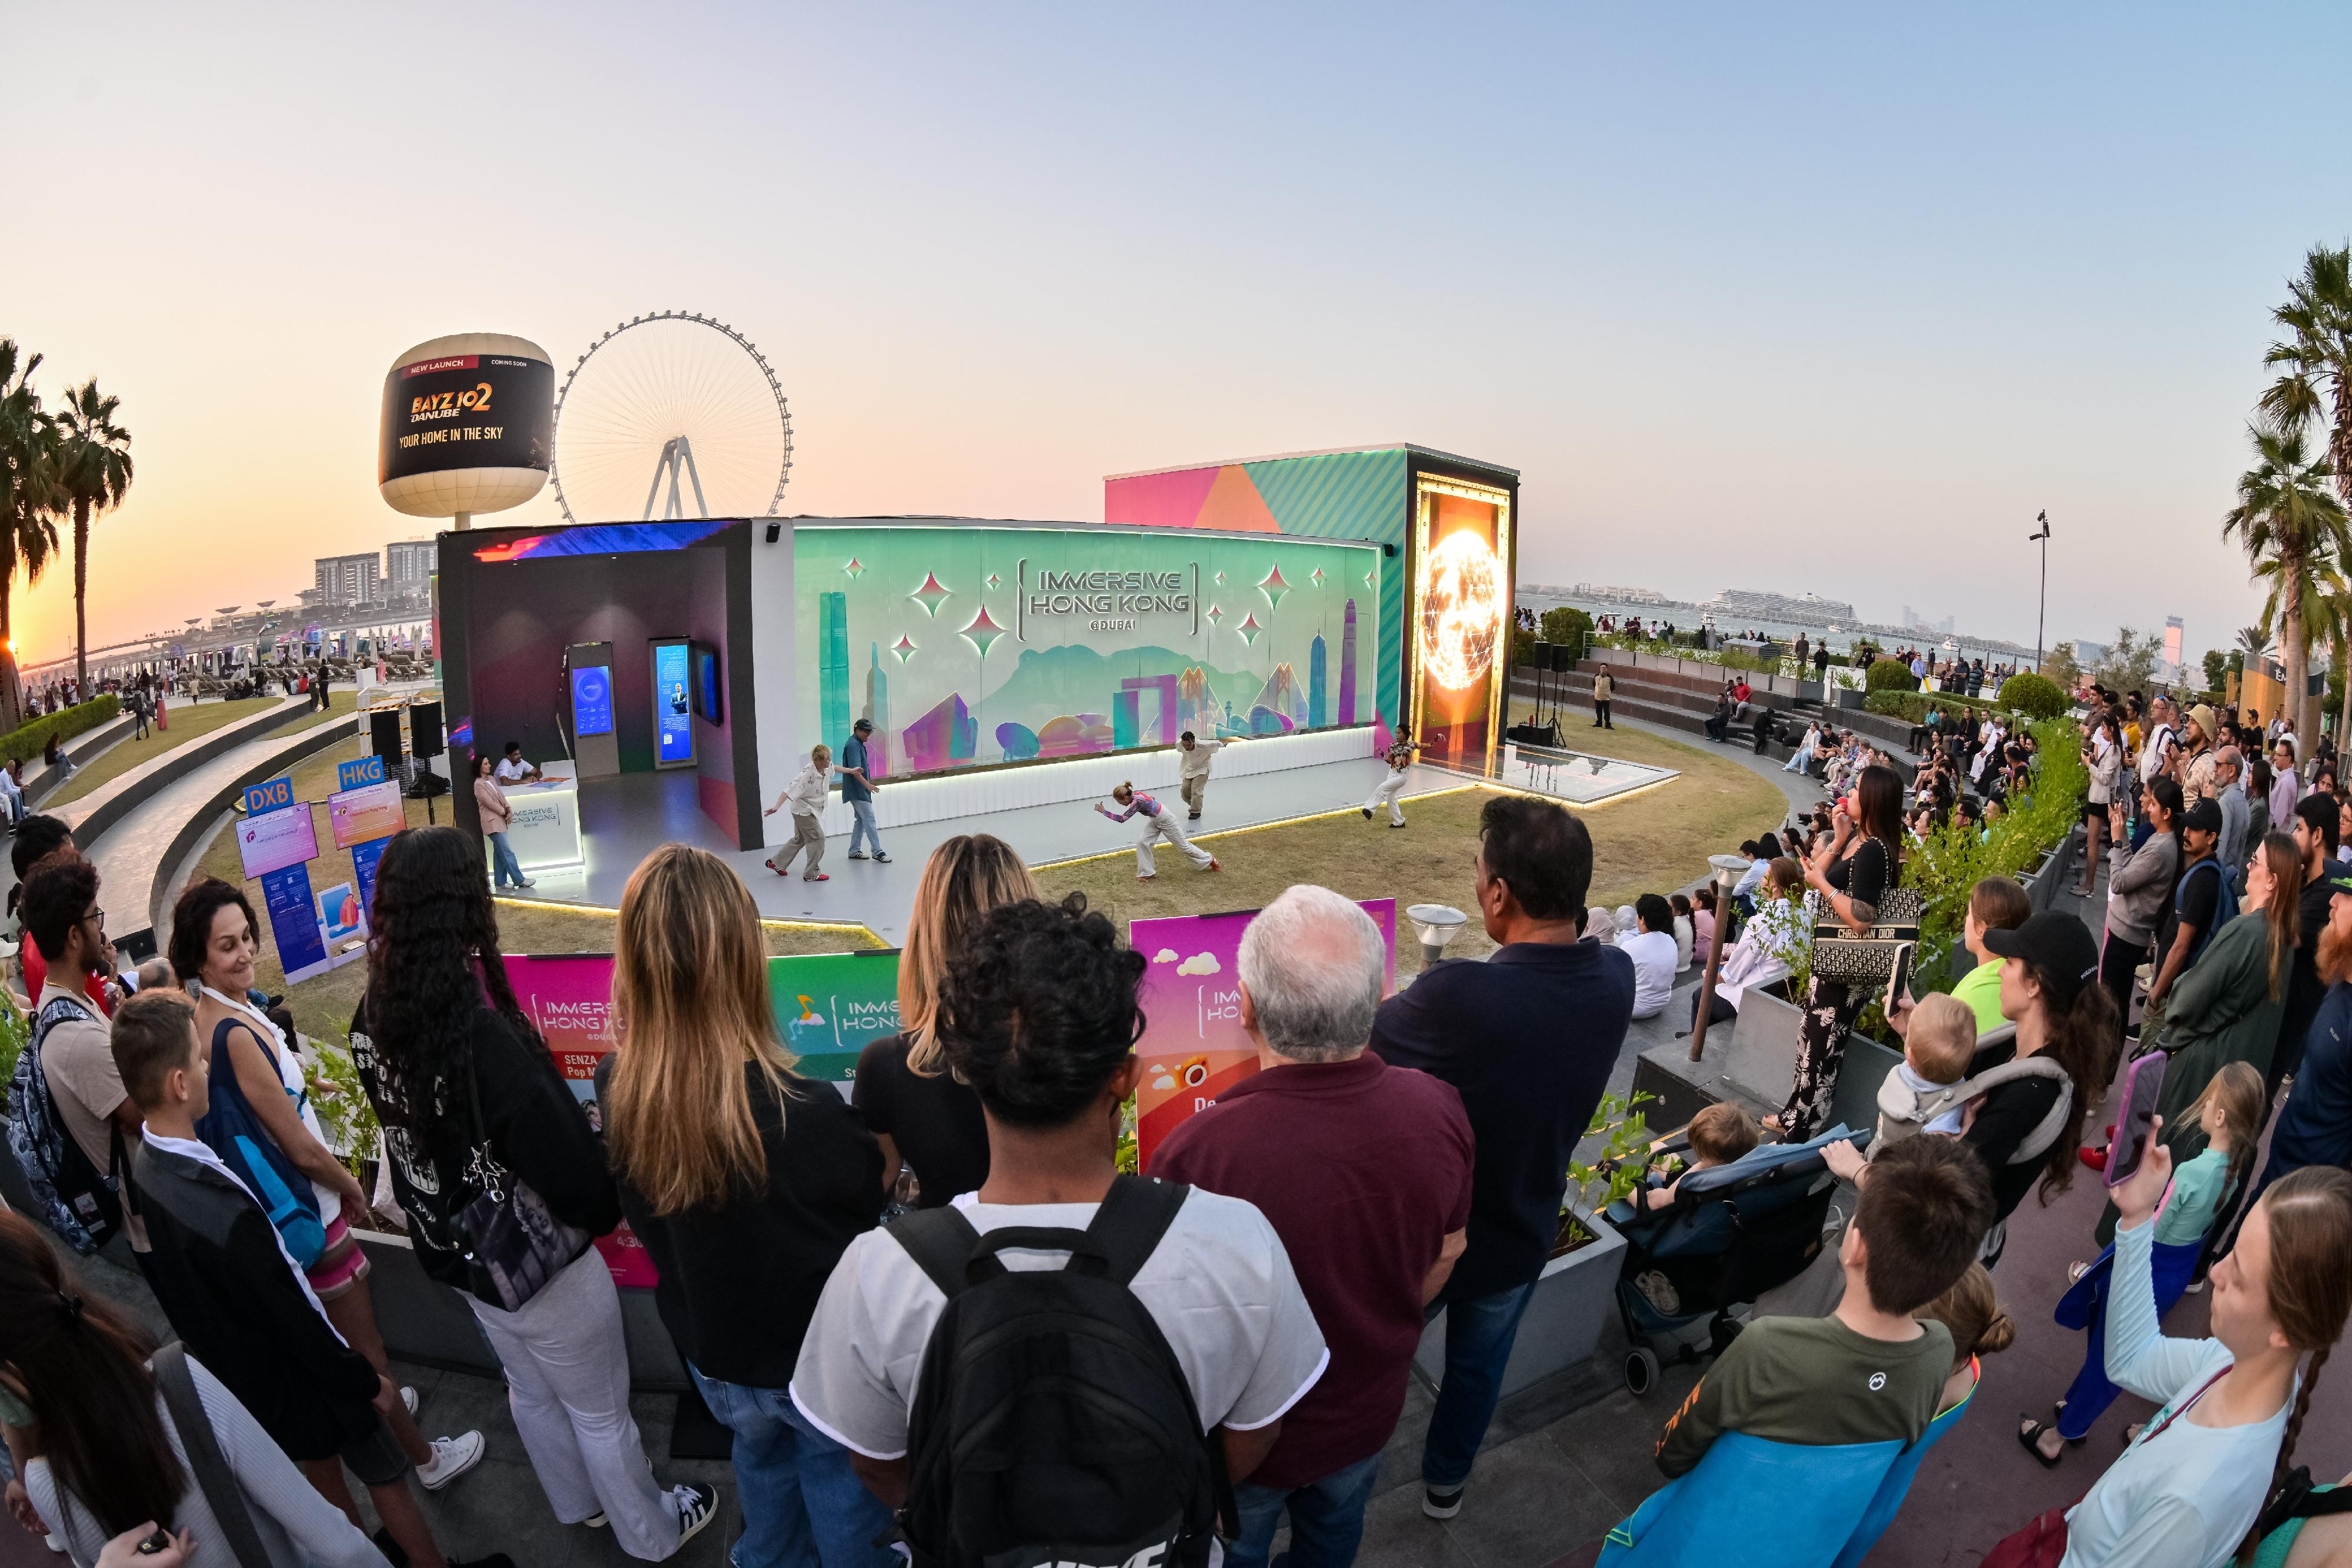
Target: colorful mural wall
972 645
1319 495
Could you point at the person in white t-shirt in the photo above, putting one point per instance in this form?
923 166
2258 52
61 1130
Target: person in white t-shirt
1038 1015
513 769
1653 953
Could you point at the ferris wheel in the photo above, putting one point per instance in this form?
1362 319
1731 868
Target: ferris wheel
671 416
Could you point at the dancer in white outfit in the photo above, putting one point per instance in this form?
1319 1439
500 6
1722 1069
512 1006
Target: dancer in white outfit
1398 758
1158 824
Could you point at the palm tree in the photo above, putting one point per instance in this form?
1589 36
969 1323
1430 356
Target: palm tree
2255 641
94 472
2315 384
29 492
2292 529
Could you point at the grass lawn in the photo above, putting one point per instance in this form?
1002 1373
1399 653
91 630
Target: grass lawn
322 1005
188 723
1654 842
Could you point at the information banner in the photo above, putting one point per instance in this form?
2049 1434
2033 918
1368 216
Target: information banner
1194 1046
363 862
275 840
369 811
830 1005
294 919
673 706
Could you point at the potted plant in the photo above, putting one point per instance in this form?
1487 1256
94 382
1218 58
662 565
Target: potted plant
1577 1290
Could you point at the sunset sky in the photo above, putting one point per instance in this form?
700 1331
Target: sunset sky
1780 298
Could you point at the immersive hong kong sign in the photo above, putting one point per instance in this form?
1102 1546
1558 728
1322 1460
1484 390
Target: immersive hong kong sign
1194 1046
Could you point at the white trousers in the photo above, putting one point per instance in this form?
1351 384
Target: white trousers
1165 826
1390 788
568 1384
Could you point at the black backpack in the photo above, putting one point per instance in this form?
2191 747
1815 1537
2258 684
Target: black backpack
1052 1422
72 1196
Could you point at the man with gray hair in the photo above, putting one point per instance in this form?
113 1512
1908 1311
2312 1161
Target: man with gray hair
2237 815
1363 1169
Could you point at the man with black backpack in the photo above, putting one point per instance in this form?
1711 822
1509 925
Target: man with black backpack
71 1108
1069 1365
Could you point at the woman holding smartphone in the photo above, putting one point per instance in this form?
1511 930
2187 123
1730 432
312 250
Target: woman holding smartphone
1861 861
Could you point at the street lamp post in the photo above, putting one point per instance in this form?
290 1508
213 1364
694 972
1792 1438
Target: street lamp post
2042 608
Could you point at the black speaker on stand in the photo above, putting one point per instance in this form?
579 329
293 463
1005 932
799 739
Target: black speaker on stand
424 740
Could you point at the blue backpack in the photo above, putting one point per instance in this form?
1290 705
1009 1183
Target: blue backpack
232 1131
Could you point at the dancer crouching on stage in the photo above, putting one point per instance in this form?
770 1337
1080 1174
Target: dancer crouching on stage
1158 824
1398 758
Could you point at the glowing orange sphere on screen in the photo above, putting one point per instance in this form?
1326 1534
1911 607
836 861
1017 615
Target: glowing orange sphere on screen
1461 610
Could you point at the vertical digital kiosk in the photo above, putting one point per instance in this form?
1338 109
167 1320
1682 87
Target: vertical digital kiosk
673 703
595 740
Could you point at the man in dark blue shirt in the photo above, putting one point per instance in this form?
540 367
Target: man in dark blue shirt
1528 1039
2315 1128
857 793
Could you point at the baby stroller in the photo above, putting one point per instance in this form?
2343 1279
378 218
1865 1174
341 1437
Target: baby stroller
1732 1233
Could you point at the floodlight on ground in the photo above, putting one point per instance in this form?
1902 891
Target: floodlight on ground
1436 925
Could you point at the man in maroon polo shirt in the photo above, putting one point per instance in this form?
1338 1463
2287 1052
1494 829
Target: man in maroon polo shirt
1363 1170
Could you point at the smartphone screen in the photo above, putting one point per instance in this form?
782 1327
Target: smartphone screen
1898 984
2143 1081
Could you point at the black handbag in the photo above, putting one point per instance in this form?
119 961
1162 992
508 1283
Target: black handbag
512 1241
1853 958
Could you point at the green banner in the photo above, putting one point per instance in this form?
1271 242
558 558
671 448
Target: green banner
831 1006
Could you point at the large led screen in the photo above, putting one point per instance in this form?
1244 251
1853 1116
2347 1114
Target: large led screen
971 646
1458 614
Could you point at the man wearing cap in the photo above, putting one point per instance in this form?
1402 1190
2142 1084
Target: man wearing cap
857 791
2201 901
2048 961
2193 766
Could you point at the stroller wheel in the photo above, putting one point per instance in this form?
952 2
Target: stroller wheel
1641 1371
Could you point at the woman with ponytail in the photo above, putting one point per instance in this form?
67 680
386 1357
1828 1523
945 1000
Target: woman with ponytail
2188 1490
101 1453
2048 989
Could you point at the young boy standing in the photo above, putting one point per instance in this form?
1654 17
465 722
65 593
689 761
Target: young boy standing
1868 1372
233 1293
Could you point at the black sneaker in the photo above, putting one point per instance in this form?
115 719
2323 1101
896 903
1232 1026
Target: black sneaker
697 1507
1441 1504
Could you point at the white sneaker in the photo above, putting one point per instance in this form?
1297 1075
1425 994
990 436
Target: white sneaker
452 1457
408 1399
696 1506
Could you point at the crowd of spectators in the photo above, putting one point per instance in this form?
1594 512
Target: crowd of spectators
876 1294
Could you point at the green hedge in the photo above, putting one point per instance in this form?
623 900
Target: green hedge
28 741
2035 695
1886 675
1568 625
1912 707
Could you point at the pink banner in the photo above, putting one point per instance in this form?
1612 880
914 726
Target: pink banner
1194 1046
570 999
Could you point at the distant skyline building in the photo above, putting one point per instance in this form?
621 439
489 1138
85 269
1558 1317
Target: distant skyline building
348 580
1347 664
409 566
833 666
1317 657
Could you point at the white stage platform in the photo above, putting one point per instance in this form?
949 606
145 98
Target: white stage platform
625 819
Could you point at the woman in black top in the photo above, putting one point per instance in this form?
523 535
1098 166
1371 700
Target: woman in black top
921 1115
1851 874
2050 990
456 1072
745 1182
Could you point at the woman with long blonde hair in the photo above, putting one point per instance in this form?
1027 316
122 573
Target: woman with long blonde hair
745 1182
924 1117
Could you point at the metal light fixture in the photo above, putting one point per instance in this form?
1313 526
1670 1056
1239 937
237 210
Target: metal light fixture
1435 925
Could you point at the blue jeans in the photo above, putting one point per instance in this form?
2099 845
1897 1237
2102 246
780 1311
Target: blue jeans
1327 1519
802 1505
1479 1333
862 810
503 863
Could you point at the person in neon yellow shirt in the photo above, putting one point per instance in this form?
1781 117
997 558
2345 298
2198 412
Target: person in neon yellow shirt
1995 903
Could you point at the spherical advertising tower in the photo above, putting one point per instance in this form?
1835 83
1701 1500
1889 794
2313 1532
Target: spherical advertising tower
468 427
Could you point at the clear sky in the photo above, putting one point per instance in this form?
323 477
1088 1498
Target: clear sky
1781 297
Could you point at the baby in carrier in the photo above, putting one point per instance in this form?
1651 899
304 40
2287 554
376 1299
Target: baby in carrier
1922 1094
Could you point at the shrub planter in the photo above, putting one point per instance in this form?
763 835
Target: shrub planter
1848 697
428 1322
1575 1295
